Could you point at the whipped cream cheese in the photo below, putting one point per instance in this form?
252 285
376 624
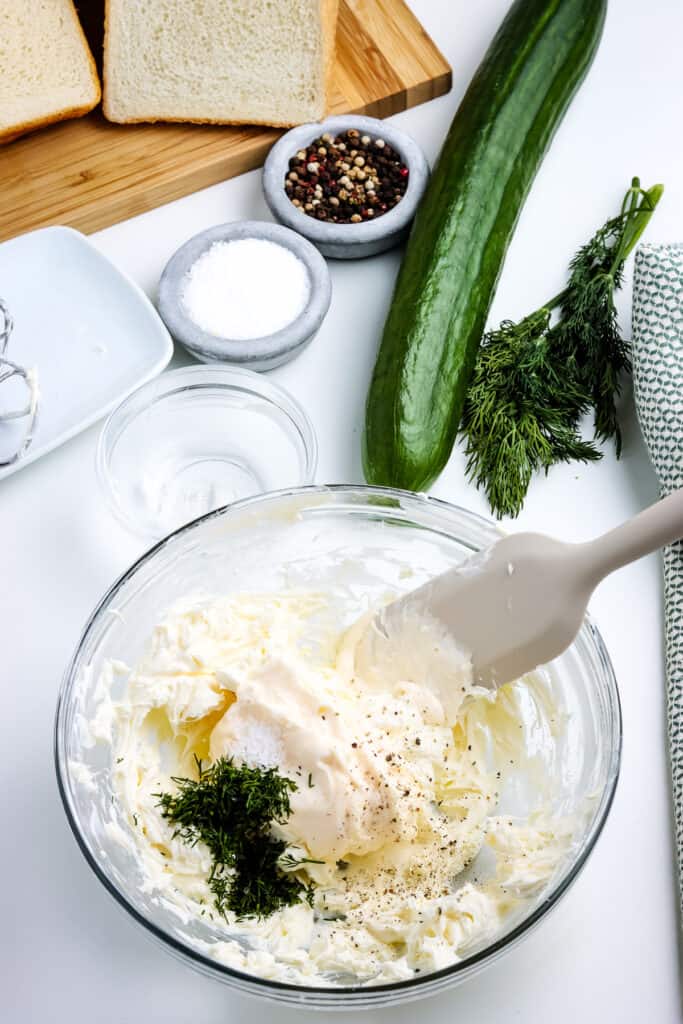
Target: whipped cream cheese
398 785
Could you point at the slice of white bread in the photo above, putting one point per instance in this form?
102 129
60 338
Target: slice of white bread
47 72
219 61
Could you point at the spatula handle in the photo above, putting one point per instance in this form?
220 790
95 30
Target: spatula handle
655 527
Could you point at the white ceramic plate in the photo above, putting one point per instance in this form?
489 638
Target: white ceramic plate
90 333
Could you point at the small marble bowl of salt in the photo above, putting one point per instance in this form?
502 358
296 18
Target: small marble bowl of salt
249 293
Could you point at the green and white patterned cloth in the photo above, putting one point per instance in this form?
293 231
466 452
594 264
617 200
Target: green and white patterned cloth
658 384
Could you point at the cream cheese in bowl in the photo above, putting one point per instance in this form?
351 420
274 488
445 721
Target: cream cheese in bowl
431 823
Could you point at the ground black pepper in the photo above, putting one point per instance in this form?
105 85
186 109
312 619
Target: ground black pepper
346 178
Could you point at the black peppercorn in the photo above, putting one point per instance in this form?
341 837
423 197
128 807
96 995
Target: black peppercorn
347 178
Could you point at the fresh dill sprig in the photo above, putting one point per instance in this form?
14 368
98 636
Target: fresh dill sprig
231 809
533 380
520 414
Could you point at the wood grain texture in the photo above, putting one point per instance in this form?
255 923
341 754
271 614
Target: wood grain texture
89 173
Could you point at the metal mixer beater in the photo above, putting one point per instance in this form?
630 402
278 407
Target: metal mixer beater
18 395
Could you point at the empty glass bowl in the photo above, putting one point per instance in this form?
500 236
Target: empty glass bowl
198 438
321 536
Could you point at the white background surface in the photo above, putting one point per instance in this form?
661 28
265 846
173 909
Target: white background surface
609 952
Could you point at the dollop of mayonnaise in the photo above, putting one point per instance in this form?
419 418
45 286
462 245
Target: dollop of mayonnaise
398 773
363 757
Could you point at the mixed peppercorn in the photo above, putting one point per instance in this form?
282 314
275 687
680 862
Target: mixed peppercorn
346 178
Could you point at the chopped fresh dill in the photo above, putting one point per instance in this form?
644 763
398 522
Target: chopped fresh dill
310 781
231 809
533 380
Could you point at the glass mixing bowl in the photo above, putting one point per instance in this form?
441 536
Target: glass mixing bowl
318 533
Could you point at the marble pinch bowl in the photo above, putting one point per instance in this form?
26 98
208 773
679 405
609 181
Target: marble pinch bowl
346 241
262 353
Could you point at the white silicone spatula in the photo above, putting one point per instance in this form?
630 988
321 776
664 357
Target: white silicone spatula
520 603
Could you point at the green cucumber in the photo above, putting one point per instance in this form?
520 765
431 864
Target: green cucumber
444 289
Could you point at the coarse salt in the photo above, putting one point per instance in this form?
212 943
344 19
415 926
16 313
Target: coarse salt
259 745
245 289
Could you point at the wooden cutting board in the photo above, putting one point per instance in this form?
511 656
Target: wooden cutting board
88 173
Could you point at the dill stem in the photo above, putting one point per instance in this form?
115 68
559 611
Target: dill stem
556 300
636 218
636 211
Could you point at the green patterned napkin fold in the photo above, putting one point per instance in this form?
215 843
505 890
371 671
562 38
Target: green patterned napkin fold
658 385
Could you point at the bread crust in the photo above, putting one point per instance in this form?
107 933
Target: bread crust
15 131
196 120
329 10
105 46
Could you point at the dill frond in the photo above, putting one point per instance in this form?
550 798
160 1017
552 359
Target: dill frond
533 380
231 809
